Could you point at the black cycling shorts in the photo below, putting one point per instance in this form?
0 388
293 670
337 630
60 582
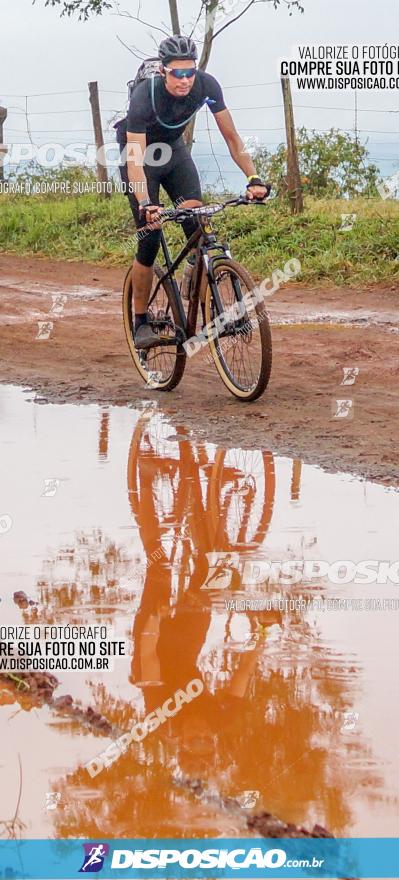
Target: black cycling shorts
179 178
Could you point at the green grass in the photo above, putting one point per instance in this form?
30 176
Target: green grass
263 238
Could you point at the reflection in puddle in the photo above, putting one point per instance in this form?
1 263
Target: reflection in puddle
149 531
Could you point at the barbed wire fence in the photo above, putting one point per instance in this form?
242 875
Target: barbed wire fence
23 116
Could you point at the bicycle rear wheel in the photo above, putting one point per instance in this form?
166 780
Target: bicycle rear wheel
161 367
242 351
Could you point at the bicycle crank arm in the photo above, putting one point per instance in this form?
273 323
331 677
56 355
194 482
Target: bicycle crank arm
170 340
231 329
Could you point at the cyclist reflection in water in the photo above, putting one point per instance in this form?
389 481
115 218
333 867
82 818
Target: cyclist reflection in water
168 640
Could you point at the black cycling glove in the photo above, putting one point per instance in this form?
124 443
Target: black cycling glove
256 181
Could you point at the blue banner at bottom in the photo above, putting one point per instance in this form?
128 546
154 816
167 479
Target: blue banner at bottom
211 858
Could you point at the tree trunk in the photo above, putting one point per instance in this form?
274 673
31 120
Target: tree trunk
188 135
211 11
174 16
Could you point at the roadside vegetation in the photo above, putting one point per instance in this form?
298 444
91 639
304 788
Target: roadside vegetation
91 228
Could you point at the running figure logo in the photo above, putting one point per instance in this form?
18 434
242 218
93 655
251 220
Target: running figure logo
95 854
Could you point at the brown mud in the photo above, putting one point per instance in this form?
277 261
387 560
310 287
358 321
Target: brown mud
316 334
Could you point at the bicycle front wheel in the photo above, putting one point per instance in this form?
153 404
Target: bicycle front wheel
242 350
162 366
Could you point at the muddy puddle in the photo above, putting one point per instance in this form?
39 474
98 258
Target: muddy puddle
111 516
53 299
74 291
363 318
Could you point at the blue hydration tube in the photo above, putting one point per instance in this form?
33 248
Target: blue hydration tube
179 124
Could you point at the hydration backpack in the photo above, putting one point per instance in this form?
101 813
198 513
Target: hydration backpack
147 70
149 67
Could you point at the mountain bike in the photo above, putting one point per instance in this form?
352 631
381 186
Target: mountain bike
238 334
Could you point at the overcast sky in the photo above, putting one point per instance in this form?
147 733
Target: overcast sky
42 52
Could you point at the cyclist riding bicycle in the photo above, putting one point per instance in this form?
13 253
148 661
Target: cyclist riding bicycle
159 111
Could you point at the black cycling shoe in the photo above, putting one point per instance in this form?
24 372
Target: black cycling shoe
145 337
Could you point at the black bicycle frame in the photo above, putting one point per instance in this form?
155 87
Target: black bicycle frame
204 239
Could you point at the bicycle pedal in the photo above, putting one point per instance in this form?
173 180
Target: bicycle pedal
167 340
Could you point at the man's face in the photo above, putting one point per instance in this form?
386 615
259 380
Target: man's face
179 87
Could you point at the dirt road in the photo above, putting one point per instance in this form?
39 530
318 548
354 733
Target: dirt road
316 334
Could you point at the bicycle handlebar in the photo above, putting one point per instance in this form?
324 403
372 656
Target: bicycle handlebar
179 214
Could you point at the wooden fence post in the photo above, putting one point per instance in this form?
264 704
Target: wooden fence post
102 173
3 148
293 173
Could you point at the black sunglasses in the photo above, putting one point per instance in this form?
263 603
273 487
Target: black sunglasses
181 72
